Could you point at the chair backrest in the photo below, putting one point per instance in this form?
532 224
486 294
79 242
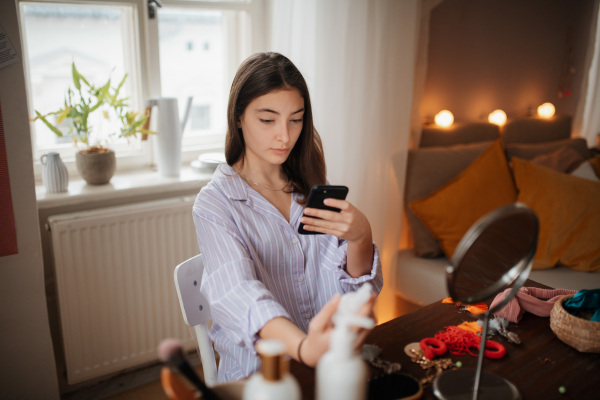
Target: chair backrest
196 312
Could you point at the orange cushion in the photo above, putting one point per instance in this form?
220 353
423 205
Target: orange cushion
482 187
595 161
568 208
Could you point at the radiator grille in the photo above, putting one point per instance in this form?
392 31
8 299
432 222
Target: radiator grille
114 271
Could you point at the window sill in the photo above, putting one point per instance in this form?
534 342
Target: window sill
121 186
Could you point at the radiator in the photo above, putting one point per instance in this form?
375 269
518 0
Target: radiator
114 272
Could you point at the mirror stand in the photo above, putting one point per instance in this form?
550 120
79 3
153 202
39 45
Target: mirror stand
496 253
452 385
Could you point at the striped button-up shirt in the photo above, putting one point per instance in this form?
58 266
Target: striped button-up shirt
258 267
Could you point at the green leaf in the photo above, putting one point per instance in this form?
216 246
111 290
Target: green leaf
62 114
118 88
76 77
49 125
104 90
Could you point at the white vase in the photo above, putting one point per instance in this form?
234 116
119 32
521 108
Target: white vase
54 173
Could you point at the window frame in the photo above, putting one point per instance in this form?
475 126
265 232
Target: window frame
146 65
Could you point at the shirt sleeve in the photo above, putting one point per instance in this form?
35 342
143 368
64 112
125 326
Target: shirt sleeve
239 302
335 257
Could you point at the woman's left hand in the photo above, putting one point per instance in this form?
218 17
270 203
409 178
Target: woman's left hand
349 224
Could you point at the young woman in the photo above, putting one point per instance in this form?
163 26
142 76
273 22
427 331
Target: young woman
262 278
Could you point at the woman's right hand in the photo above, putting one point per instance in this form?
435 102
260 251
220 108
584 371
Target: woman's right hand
316 343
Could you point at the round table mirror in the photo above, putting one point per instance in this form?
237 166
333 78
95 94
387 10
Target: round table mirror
496 253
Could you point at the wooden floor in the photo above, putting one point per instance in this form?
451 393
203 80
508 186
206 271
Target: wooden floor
150 391
135 385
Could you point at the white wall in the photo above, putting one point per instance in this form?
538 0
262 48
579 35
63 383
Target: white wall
27 369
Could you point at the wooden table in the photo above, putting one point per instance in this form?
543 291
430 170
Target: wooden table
537 367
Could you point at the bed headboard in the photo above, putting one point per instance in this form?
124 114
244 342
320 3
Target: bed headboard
536 129
517 130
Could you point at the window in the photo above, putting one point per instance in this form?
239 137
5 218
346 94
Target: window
191 48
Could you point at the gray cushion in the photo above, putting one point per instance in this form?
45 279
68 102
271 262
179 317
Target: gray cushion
530 151
536 129
427 170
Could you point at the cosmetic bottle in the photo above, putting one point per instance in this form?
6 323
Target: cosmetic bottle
341 372
273 381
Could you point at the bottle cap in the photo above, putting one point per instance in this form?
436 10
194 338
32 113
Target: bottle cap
272 355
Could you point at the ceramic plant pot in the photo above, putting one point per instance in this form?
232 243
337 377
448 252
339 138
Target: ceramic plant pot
96 167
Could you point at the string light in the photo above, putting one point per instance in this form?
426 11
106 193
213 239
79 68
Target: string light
497 117
546 110
444 118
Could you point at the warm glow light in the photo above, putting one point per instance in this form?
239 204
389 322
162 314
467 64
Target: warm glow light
497 117
444 118
546 110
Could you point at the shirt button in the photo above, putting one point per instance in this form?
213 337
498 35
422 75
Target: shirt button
300 279
294 240
307 316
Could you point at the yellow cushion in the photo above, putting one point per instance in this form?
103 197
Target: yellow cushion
483 186
595 161
568 208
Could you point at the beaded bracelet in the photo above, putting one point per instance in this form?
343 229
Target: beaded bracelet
300 347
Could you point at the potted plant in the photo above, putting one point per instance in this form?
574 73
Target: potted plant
95 161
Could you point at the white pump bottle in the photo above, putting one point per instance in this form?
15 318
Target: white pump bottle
273 381
341 372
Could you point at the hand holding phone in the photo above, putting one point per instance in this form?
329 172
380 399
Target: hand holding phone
318 193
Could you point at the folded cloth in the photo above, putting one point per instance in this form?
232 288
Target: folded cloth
585 301
528 299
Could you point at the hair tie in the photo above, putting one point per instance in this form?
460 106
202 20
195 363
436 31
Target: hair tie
433 347
299 348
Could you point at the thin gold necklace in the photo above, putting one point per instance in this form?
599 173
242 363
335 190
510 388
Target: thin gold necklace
264 187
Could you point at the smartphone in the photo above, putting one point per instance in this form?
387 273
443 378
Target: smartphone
318 193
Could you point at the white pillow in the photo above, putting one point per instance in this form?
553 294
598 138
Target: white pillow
586 171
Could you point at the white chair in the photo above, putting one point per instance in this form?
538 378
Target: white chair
196 312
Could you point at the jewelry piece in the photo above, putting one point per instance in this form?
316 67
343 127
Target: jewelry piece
410 348
299 348
499 325
264 187
371 353
432 368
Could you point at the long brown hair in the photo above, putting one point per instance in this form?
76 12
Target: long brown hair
258 75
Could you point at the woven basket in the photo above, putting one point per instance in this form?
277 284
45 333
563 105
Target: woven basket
579 333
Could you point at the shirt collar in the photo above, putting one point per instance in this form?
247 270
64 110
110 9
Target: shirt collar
233 185
230 182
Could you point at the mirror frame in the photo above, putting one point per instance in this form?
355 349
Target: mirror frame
515 276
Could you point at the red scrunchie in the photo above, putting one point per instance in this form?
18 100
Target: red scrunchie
460 342
433 347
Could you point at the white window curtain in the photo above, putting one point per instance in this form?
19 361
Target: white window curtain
587 119
358 57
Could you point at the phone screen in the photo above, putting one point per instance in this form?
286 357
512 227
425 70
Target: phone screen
318 193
